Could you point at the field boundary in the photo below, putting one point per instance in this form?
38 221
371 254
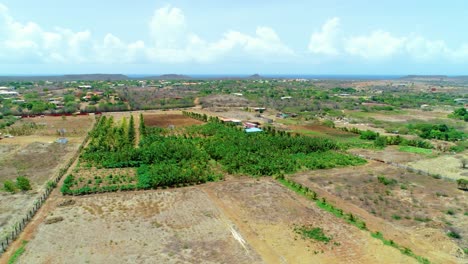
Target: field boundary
19 227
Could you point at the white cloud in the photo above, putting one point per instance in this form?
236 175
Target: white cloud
324 42
378 45
170 42
174 43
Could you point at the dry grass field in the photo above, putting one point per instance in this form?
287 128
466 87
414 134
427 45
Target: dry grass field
170 226
421 207
36 156
234 221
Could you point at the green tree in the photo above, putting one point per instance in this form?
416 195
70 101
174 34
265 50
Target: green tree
23 183
131 131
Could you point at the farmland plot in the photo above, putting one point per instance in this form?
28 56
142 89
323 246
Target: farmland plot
267 213
421 208
170 226
34 154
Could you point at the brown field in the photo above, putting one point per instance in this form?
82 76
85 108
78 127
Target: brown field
267 212
37 157
171 226
412 212
235 221
170 119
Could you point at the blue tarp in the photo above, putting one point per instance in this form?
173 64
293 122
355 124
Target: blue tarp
253 129
62 140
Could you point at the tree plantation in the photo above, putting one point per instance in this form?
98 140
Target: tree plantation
197 154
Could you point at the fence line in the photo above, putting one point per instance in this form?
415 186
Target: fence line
19 227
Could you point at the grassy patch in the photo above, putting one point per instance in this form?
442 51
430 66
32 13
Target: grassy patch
386 181
417 150
312 233
17 253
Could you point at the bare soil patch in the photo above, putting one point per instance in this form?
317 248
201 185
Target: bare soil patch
267 212
171 226
166 120
415 204
37 157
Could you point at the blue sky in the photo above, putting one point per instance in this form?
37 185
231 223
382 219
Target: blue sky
238 37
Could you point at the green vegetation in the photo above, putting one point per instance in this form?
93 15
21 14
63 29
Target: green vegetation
312 233
14 258
321 203
454 234
460 113
440 131
403 250
386 181
417 150
193 155
462 184
22 183
9 186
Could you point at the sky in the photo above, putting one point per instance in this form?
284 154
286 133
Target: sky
236 37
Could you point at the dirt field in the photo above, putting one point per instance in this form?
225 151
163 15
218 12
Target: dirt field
165 120
172 226
390 154
410 114
447 165
266 213
415 205
37 157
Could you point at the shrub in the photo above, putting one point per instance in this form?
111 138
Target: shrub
314 233
23 183
386 181
454 234
9 186
51 184
369 135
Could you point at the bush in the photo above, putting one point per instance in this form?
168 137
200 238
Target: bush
380 142
23 183
454 234
314 233
369 135
386 181
9 186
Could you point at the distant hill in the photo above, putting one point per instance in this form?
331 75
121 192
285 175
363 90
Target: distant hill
171 76
255 76
424 77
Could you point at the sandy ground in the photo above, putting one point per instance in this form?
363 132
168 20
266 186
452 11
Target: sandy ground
173 226
357 190
266 213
